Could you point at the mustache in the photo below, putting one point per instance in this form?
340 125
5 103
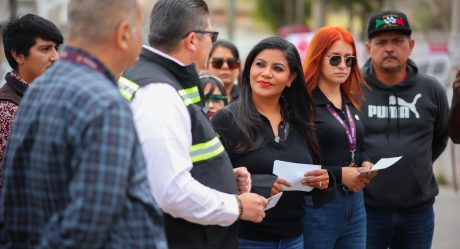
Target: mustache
390 57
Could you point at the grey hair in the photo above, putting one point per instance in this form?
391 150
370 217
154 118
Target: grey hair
96 20
171 20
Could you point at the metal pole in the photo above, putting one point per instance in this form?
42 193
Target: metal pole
231 19
13 7
300 12
318 14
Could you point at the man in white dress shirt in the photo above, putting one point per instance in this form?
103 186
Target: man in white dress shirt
190 174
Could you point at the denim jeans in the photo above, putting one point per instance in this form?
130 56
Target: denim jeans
340 223
292 243
399 230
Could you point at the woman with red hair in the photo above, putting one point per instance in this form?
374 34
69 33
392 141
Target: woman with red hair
333 79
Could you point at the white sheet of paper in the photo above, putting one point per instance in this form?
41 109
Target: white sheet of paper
293 173
271 202
383 163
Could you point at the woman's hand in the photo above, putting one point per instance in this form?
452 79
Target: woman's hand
316 179
367 177
352 179
277 186
355 181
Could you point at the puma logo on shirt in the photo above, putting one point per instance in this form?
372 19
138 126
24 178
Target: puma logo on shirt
396 108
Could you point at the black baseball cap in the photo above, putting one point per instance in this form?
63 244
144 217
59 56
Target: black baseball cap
388 20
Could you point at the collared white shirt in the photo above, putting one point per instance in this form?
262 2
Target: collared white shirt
164 128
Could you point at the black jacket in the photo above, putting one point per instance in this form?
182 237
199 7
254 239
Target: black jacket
335 152
409 120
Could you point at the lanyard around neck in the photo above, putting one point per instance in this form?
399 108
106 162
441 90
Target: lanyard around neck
350 132
81 57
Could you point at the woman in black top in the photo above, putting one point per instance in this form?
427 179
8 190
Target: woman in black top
273 120
332 77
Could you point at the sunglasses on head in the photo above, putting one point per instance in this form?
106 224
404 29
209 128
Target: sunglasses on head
335 60
218 62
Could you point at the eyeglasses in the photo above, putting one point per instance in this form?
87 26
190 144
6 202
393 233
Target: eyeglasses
335 60
213 34
218 62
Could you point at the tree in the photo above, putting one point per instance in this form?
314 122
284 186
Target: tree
277 13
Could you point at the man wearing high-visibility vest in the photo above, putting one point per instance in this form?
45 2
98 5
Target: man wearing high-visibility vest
190 174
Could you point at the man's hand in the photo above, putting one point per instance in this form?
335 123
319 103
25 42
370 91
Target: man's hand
253 207
243 179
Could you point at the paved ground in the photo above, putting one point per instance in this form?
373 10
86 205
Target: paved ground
447 216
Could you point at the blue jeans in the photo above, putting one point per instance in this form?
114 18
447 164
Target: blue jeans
399 230
340 223
293 243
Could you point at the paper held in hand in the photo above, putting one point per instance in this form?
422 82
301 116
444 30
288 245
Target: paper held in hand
294 174
271 202
382 164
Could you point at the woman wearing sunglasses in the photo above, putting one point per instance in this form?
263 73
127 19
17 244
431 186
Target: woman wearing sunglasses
224 62
273 120
214 93
332 76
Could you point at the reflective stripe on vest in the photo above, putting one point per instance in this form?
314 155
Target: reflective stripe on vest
198 152
127 88
207 150
190 95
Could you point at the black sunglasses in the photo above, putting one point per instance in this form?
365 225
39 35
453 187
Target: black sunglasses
213 34
335 60
218 62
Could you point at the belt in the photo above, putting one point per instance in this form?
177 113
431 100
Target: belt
343 188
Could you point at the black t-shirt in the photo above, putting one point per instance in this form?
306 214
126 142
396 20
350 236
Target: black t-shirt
334 149
285 219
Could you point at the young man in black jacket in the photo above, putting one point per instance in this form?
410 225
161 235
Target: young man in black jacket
405 114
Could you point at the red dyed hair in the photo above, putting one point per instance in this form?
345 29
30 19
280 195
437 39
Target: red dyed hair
323 39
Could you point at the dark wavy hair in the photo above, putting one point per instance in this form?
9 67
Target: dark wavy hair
295 101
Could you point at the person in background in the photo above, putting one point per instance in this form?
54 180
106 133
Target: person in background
75 175
4 67
333 79
454 116
224 62
405 114
214 93
31 46
189 172
273 120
